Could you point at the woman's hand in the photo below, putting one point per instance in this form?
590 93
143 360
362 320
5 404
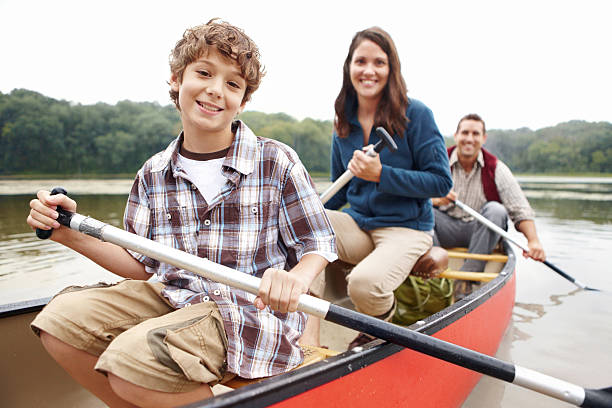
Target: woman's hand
366 167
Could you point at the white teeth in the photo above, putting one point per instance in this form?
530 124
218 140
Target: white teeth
209 107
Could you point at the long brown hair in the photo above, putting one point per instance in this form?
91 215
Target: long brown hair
391 110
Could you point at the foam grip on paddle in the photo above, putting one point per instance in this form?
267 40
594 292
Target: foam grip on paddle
45 234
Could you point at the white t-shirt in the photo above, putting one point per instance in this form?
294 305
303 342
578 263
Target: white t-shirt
205 174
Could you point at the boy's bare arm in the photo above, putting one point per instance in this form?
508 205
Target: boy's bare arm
110 256
281 290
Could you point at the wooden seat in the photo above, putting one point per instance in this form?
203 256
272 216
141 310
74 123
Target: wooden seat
311 355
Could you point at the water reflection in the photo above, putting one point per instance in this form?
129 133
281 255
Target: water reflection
536 310
598 212
24 256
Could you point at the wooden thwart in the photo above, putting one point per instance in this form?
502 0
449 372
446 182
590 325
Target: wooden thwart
471 276
481 257
311 355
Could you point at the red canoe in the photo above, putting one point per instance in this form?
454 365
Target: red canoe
378 375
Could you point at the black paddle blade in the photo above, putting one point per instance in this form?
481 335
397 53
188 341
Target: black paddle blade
45 234
597 398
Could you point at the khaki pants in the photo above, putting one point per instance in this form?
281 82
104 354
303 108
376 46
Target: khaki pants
383 259
138 336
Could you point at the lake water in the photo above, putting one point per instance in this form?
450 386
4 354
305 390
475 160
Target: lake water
556 328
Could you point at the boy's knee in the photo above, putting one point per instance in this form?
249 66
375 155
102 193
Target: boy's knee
129 392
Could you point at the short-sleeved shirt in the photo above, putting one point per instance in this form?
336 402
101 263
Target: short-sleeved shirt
268 215
468 187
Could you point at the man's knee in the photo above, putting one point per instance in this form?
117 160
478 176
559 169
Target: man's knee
495 212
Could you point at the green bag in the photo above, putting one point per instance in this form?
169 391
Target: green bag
418 298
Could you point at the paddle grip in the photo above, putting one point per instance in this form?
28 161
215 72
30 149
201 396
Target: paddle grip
385 140
46 234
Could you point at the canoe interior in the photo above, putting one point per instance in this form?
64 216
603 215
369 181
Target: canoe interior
382 373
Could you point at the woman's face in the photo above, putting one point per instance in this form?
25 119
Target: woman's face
369 71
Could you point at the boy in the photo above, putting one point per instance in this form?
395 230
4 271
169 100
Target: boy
219 192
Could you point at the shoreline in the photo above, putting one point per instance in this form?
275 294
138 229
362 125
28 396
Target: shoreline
116 186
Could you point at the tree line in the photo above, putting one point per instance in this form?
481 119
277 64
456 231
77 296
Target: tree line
41 135
570 147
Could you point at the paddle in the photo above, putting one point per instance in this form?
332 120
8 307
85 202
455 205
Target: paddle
385 140
419 342
505 234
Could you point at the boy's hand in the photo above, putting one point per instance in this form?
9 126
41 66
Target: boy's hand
281 290
42 210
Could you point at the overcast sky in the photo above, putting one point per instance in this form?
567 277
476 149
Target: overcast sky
516 63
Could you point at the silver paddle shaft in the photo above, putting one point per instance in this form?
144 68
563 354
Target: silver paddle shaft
342 180
189 262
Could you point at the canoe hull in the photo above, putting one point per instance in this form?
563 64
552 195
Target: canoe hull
409 378
380 375
387 375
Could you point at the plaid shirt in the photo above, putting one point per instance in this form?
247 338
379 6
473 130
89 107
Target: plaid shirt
268 215
468 187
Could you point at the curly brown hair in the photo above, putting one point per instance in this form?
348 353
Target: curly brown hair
229 40
391 110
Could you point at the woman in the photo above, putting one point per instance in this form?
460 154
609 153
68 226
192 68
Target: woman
389 222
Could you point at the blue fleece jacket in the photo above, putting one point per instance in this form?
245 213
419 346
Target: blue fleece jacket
417 171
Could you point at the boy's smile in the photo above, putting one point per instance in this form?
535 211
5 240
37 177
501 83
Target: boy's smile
210 97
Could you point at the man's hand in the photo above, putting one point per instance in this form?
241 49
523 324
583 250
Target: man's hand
281 290
536 251
449 199
366 167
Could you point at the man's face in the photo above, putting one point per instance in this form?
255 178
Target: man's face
469 138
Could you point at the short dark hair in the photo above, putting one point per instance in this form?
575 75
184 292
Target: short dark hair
475 117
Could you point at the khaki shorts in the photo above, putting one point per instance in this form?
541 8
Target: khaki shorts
138 336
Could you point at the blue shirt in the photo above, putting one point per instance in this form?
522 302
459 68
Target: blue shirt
418 170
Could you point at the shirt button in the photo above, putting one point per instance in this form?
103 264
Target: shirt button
254 210
193 187
216 292
207 222
205 298
187 304
168 216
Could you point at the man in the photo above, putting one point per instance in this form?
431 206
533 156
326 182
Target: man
483 182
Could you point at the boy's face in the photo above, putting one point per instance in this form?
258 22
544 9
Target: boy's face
210 95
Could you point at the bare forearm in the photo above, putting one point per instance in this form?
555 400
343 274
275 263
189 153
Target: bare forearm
310 266
109 256
536 251
528 229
